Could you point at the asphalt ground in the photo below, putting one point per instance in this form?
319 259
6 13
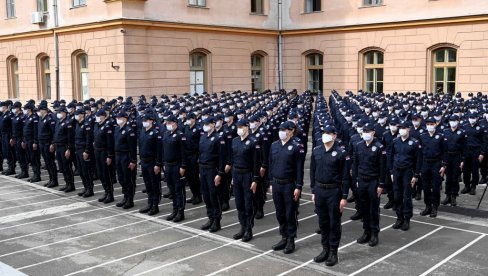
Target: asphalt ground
47 232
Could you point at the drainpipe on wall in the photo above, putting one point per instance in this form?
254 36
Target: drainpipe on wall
280 44
56 45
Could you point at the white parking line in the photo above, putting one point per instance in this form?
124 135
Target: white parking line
452 255
396 251
340 248
172 243
43 212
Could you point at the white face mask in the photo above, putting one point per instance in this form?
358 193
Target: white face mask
93 110
218 124
204 117
360 130
120 121
453 124
15 110
416 123
375 114
252 125
169 127
227 119
326 138
25 111
98 119
240 132
206 128
397 112
393 128
382 120
59 116
403 132
472 121
367 136
367 110
437 118
430 128
424 113
145 124
78 118
2 109
38 114
282 134
348 119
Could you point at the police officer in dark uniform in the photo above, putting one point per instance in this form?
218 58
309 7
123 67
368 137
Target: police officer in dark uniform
475 153
84 151
125 147
63 144
369 165
329 180
404 163
245 160
30 141
192 133
150 139
104 153
456 145
172 155
433 150
17 140
213 159
46 128
387 141
286 160
6 130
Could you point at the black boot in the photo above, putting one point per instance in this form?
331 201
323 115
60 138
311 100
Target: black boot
473 190
239 234
10 172
197 200
247 236
426 211
172 215
179 216
482 180
465 190
145 209
398 223
70 188
63 188
48 183
207 225
122 202
259 214
109 198
374 240
318 231
280 245
388 205
35 178
225 206
332 260
82 192
324 255
88 193
154 210
366 237
102 199
129 203
23 174
215 226
290 246
447 200
53 184
453 201
433 214
406 225
356 216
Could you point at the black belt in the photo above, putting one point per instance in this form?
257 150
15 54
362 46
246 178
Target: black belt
403 167
368 177
148 159
241 170
171 163
100 149
327 185
208 166
432 160
283 181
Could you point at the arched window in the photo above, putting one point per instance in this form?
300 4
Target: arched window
198 74
257 65
444 61
314 70
80 76
13 77
44 76
373 71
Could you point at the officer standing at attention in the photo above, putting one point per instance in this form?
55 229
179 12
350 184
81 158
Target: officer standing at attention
17 140
245 162
213 159
30 141
433 150
46 128
172 155
125 147
404 163
369 164
63 143
329 180
84 151
150 139
6 130
104 153
192 133
286 160
456 145
475 153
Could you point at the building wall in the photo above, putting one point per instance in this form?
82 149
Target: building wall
406 60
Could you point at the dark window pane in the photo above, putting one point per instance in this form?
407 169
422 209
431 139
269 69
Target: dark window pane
439 87
369 58
379 87
451 87
452 55
369 75
379 74
380 57
451 74
439 74
439 55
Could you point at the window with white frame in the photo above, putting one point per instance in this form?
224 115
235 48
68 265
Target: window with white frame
10 8
198 64
257 6
198 3
313 5
77 3
372 2
13 77
373 71
315 72
42 6
444 70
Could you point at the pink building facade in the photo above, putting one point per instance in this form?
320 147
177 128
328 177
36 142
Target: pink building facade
105 48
